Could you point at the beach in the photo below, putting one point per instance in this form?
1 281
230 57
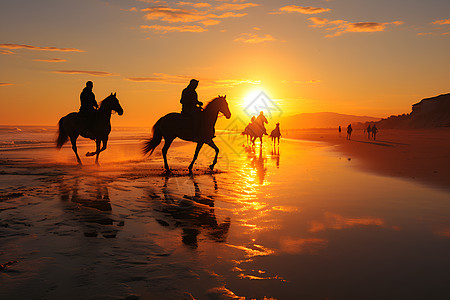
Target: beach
316 217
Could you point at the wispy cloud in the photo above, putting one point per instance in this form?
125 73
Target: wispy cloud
93 73
6 52
183 28
50 60
441 22
307 10
183 79
5 83
340 26
307 81
29 47
252 38
235 6
200 13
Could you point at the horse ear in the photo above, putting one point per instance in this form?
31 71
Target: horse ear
225 97
115 94
111 94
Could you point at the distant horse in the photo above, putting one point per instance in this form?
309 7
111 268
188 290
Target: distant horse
276 134
175 125
349 131
71 126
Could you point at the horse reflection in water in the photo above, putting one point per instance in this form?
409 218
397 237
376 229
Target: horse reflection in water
88 200
193 214
257 162
275 155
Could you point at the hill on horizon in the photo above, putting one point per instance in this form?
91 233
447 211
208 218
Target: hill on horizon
323 120
428 113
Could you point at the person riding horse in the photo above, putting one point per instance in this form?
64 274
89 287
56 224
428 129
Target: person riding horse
260 120
88 108
191 107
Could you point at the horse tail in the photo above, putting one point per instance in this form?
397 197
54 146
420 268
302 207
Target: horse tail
151 144
62 134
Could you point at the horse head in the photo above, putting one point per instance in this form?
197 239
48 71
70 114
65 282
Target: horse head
223 106
112 103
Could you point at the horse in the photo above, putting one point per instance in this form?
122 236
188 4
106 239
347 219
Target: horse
276 134
71 126
175 125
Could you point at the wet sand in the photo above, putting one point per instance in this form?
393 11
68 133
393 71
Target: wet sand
295 221
418 155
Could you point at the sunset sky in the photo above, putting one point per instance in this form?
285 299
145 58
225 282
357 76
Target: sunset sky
362 57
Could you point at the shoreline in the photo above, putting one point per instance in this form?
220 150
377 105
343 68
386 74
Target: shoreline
417 155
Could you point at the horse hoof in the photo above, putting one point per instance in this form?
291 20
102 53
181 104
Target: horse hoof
211 167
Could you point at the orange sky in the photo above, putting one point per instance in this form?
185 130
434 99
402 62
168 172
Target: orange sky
357 57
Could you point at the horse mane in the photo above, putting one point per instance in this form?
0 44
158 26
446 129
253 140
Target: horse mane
212 102
104 100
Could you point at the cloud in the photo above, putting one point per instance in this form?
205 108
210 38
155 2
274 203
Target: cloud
340 26
235 6
182 79
308 81
50 60
5 83
196 5
307 10
29 47
172 15
6 52
93 73
254 38
441 22
165 29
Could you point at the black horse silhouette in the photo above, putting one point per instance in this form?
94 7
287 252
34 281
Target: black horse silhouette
71 126
175 125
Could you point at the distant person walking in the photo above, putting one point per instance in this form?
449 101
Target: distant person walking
349 131
374 132
340 129
88 108
369 131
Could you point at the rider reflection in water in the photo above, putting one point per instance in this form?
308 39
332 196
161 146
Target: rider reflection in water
191 107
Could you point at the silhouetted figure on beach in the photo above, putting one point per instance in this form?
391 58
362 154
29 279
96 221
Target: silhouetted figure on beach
339 129
374 132
276 133
190 106
72 126
349 131
88 108
175 125
369 131
260 120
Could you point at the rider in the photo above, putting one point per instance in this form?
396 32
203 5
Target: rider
88 107
190 106
260 120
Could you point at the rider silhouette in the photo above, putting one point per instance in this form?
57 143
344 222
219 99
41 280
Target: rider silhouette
260 120
190 106
88 107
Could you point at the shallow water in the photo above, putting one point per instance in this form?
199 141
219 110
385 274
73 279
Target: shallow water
298 221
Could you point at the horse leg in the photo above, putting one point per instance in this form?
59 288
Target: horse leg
165 148
97 150
197 150
213 145
73 140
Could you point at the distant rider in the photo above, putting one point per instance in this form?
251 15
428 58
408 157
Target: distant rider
260 120
190 106
88 108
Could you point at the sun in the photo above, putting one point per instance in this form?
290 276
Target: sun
251 97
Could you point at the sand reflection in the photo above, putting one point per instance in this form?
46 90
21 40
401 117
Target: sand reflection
194 214
88 200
